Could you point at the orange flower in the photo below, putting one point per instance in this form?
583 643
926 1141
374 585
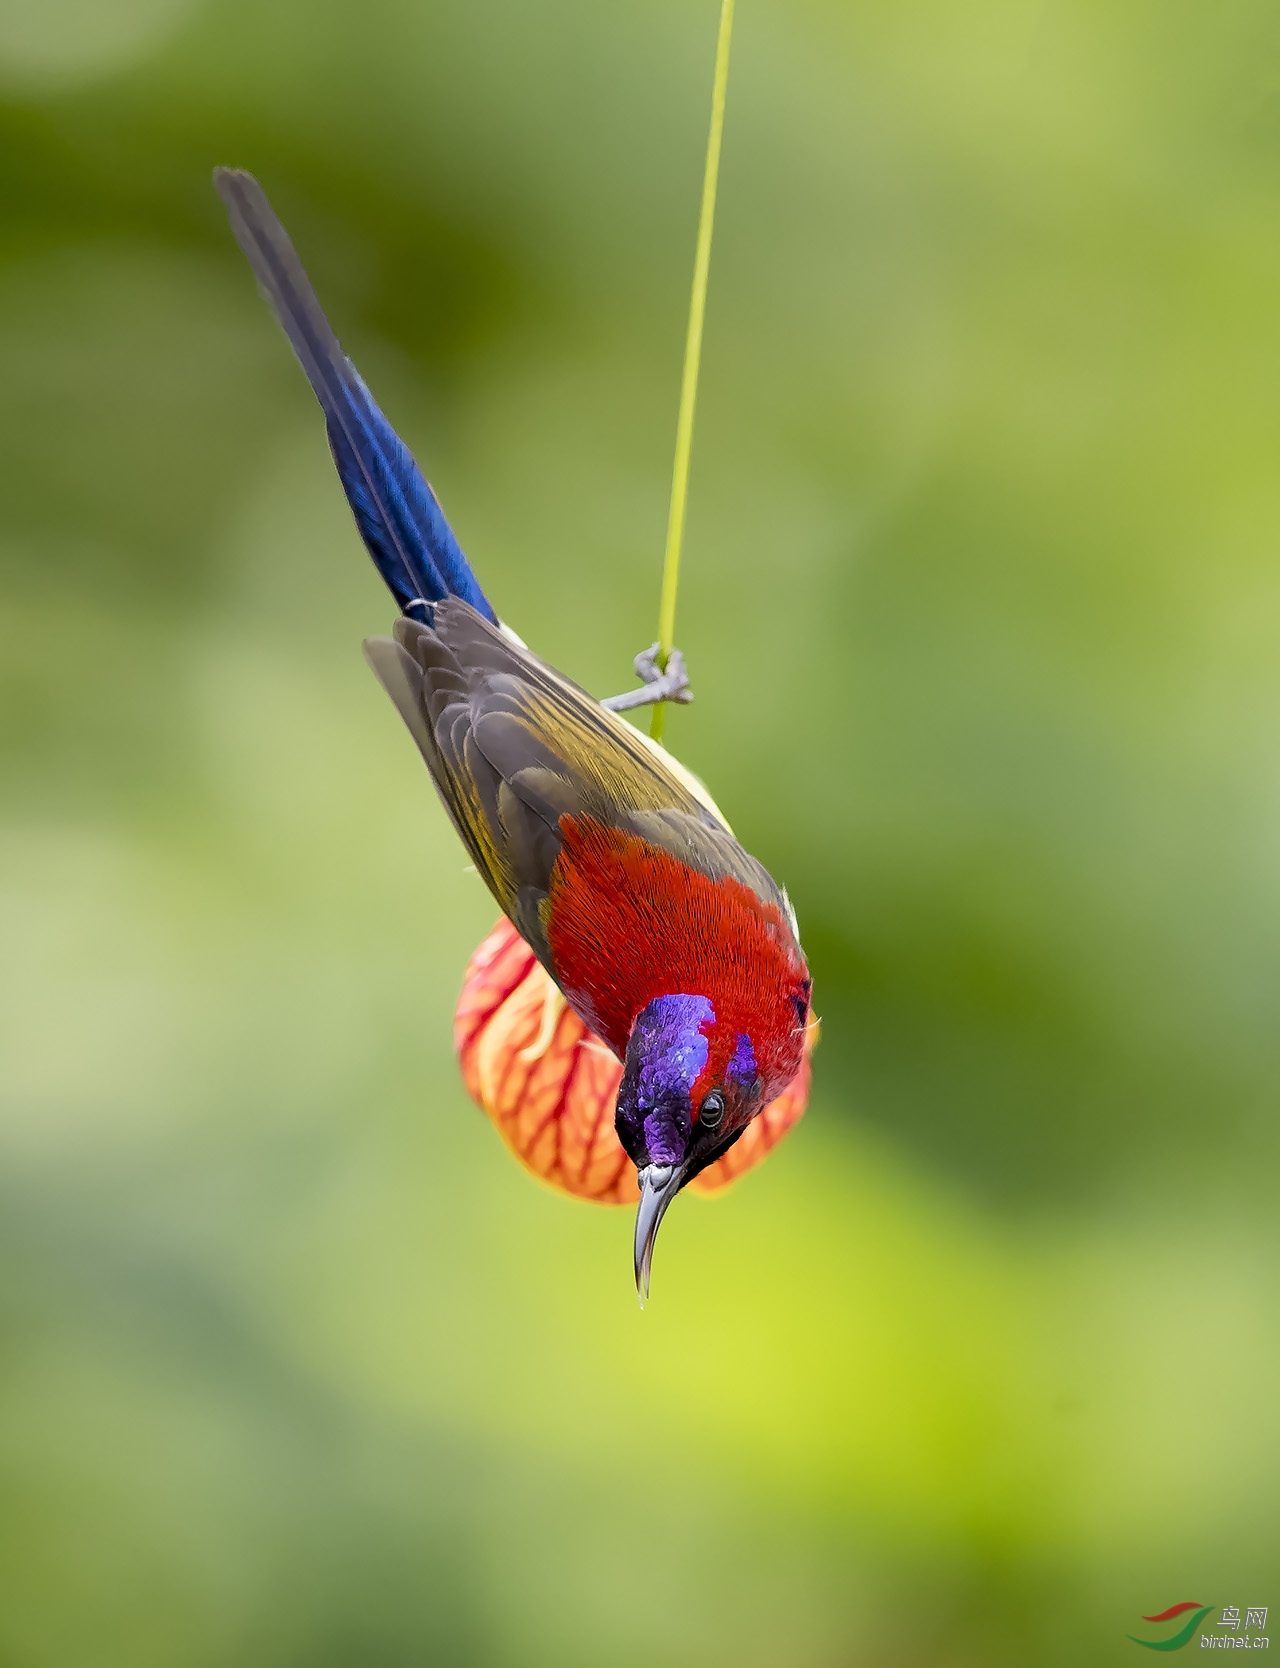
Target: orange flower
550 1085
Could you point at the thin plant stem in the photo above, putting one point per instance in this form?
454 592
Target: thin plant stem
692 360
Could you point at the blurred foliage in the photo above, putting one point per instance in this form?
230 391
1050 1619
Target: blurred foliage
982 603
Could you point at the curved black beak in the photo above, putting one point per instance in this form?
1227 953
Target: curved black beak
659 1184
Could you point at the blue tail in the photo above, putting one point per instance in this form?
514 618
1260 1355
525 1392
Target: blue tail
399 519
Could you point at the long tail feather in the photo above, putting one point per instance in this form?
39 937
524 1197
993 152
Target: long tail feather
397 513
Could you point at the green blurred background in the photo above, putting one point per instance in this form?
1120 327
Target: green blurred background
982 602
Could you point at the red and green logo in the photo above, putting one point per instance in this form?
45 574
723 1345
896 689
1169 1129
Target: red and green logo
1185 1634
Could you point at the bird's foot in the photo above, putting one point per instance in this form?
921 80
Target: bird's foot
669 685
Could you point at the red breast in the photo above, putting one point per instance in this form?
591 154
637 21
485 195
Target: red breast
627 922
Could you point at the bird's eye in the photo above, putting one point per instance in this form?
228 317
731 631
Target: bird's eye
712 1109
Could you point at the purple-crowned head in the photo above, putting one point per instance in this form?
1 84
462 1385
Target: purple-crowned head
687 1093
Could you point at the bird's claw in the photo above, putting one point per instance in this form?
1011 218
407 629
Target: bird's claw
671 684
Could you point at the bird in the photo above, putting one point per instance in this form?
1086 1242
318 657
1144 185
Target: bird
671 943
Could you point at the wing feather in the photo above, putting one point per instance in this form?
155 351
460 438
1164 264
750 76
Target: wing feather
513 746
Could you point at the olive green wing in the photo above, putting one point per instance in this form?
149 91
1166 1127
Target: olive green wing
513 746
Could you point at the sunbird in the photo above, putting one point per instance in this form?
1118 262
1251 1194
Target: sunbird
668 940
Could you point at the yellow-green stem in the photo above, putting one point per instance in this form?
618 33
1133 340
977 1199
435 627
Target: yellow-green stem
692 359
